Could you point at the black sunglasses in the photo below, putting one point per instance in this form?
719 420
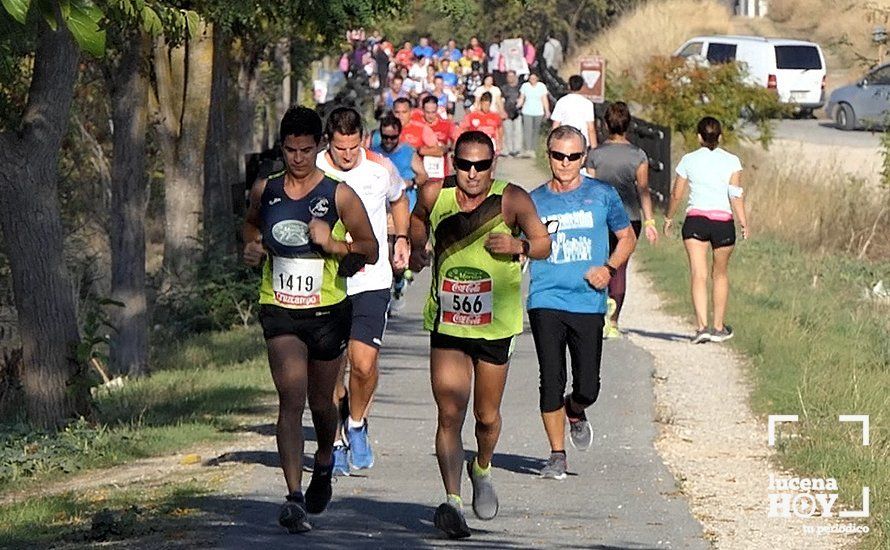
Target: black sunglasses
388 136
465 165
556 155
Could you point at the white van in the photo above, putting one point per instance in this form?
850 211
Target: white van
794 68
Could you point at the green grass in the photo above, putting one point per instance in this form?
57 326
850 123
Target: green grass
199 391
815 348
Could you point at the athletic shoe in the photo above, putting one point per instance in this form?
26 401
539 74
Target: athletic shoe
610 331
293 515
611 307
361 457
319 492
397 304
555 467
408 275
580 432
722 335
450 519
485 500
701 336
341 461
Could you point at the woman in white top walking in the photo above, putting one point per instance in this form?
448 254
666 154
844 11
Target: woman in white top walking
713 178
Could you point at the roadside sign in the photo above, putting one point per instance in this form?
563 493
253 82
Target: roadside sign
593 71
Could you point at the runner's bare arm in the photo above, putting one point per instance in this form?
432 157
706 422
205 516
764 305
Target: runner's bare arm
519 211
251 234
355 218
627 241
646 202
420 225
678 193
737 204
420 175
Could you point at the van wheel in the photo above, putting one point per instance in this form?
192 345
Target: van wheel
844 117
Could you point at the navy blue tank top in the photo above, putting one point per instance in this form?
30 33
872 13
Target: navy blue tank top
286 221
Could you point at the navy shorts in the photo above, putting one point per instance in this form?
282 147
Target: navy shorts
369 311
323 330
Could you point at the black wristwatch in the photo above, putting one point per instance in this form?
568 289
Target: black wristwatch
526 246
612 270
407 240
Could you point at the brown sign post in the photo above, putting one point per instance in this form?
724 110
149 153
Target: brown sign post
593 71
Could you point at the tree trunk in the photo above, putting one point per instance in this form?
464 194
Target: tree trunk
129 199
249 139
182 97
220 169
55 387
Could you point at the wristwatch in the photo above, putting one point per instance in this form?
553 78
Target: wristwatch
612 270
526 246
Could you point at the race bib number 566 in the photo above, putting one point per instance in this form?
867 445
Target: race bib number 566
296 282
466 297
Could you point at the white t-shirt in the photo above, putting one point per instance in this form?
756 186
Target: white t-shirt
573 110
377 186
708 173
495 96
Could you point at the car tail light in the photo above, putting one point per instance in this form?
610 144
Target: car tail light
771 82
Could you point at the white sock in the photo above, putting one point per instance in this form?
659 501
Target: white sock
355 424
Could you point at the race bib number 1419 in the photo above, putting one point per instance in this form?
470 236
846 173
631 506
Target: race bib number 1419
296 282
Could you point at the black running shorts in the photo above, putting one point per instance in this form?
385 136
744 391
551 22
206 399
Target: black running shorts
325 331
369 310
496 352
718 233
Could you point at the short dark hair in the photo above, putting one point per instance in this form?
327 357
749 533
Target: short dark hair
300 121
390 120
401 100
709 129
476 137
486 96
563 132
576 82
617 118
344 121
429 99
397 77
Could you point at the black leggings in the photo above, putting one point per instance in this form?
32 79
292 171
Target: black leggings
582 333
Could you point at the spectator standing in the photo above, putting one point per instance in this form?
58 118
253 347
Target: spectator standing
535 106
530 52
552 53
573 109
512 121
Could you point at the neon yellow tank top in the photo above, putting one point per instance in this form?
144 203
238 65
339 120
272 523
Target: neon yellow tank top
474 294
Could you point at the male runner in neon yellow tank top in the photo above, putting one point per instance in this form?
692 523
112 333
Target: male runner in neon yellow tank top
474 310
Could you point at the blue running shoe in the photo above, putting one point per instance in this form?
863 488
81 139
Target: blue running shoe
361 457
341 464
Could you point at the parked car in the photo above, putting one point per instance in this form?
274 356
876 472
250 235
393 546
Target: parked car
865 104
794 68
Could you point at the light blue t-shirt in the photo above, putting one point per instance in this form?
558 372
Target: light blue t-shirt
586 215
534 103
709 173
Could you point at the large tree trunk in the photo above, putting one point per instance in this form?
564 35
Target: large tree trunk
220 168
53 381
250 138
129 198
182 97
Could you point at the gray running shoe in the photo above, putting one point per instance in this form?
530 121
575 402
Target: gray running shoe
293 516
450 520
485 500
580 432
556 467
722 335
702 336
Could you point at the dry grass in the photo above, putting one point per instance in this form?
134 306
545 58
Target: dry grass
655 28
819 209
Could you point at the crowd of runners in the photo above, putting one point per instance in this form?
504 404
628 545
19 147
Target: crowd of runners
354 210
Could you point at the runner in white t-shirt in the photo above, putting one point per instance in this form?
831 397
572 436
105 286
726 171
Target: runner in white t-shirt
573 109
379 186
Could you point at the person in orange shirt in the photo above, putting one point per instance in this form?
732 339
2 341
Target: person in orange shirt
418 134
405 57
485 121
442 126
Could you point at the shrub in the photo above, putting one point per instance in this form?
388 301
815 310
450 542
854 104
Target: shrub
678 93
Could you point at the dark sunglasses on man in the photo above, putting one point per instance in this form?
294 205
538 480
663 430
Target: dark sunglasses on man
465 165
559 157
389 137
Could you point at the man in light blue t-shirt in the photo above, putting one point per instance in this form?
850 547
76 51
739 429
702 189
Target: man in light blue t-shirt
567 296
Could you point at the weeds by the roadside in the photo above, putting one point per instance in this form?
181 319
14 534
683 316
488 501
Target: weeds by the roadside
818 347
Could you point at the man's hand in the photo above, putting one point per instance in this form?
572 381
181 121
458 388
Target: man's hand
502 243
419 259
320 233
254 252
400 253
598 277
651 234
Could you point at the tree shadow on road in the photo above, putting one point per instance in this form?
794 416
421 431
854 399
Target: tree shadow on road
669 336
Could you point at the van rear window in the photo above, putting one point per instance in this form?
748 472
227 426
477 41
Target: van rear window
797 57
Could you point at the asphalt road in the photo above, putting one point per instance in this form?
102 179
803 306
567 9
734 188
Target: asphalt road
824 132
619 494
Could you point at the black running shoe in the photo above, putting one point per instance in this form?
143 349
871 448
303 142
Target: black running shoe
319 492
450 520
293 515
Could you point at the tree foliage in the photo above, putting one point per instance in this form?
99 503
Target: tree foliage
678 93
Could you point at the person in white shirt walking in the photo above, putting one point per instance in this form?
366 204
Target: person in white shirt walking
573 109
